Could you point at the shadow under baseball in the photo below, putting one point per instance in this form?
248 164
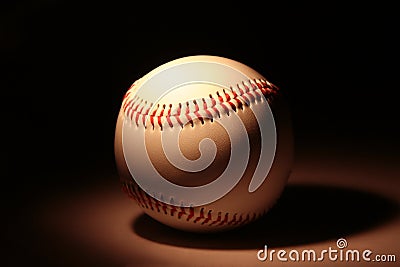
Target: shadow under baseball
304 214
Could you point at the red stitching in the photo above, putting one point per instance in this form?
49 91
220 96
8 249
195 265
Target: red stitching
247 218
196 112
169 122
232 105
143 198
159 117
239 220
200 217
233 221
213 104
169 116
217 220
187 114
227 96
137 116
206 218
191 214
187 108
173 210
148 109
225 220
149 201
179 109
253 85
164 208
181 212
179 120
127 104
221 100
157 203
222 103
128 93
204 104
209 115
133 110
128 107
239 95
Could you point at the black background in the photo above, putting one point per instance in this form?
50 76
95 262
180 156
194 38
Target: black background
65 68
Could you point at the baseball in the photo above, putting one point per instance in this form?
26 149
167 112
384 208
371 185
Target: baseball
204 143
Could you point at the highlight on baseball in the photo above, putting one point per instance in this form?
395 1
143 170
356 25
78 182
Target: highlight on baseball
204 143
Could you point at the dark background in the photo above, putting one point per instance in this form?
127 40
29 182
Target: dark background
65 68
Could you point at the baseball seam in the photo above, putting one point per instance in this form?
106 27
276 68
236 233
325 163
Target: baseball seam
137 109
203 217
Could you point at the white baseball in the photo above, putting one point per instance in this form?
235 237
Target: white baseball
204 143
